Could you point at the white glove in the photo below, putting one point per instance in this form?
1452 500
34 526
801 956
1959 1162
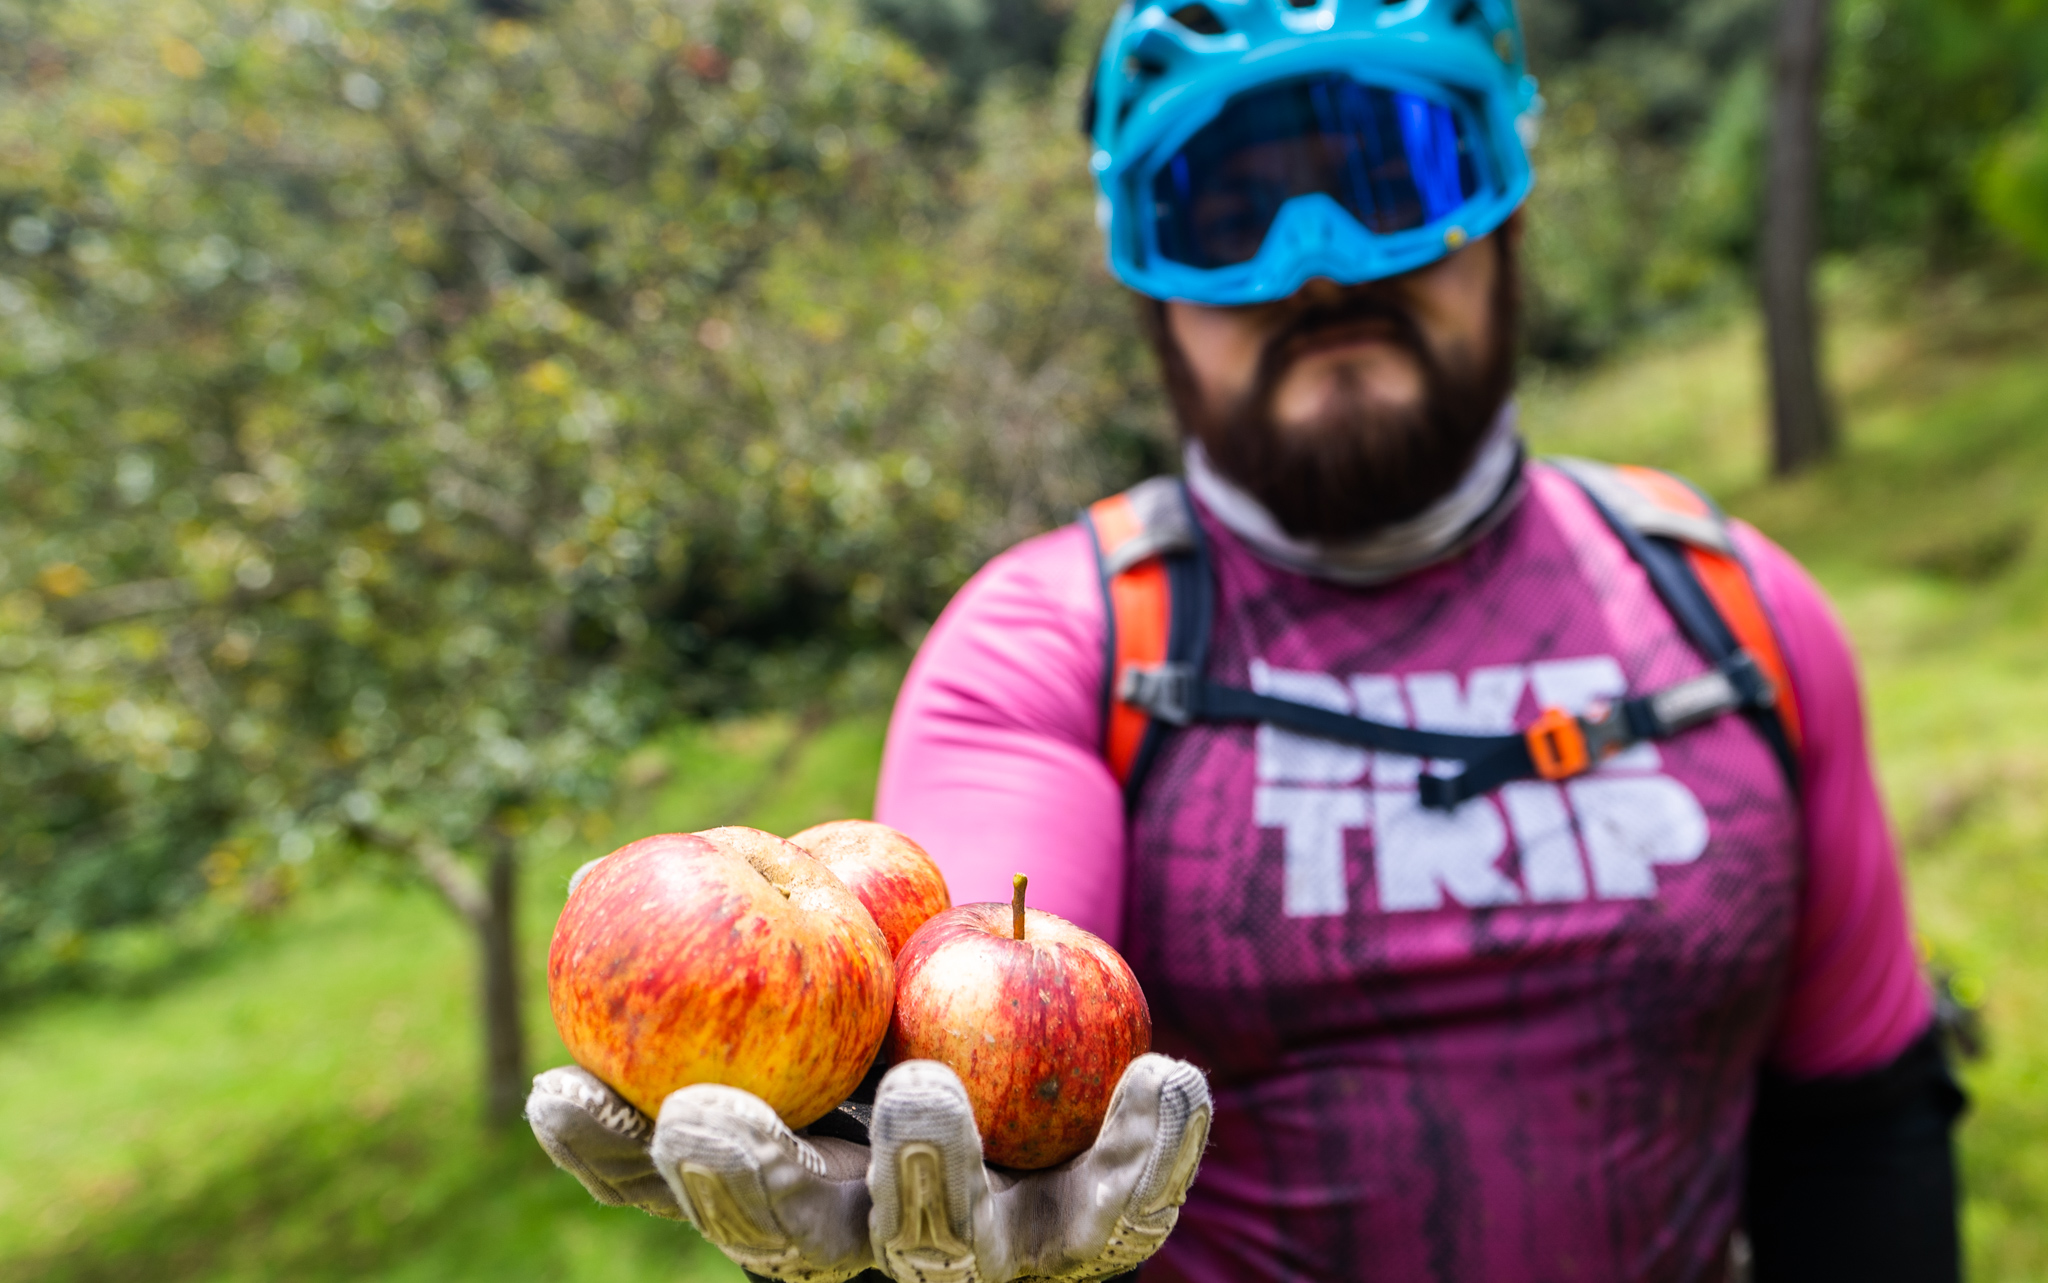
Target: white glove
940 1214
799 1208
594 1135
779 1204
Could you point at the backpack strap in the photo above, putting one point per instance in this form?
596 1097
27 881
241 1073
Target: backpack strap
1682 541
1158 599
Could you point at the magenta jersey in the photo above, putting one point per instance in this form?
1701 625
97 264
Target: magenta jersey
1517 1041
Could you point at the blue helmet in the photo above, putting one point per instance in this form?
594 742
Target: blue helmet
1243 147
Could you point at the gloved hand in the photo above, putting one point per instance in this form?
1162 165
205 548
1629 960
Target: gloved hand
940 1214
593 1134
918 1203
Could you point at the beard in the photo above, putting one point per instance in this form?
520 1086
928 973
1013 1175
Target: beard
1359 465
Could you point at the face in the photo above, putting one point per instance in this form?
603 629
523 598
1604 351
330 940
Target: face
1347 408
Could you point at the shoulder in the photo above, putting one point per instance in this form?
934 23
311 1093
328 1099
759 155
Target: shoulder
1048 581
1022 641
1817 649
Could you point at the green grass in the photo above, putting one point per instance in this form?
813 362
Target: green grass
302 1105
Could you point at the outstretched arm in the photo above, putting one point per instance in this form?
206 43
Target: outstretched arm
994 762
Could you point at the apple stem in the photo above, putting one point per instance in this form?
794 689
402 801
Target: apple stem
1017 905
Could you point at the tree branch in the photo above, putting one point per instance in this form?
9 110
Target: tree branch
125 601
485 197
194 680
457 883
519 227
155 596
501 510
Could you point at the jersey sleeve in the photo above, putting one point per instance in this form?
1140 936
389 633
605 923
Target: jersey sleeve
993 761
1856 999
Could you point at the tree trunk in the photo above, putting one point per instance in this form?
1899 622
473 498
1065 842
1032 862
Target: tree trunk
505 1076
1802 422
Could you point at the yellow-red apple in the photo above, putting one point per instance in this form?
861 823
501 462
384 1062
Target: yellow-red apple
728 956
900 884
1037 1016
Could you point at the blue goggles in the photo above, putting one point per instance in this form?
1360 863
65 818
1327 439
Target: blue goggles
1394 161
1319 175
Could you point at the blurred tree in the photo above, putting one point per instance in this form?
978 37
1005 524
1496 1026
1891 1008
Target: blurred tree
1920 97
1802 422
975 39
1653 149
2014 188
402 409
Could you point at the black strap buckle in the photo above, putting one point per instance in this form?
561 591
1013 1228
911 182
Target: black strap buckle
1167 692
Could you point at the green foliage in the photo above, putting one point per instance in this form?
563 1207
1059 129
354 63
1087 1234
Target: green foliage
2014 187
975 39
1923 91
402 410
1650 161
1646 164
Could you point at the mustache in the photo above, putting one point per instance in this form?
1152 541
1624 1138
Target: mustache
1364 307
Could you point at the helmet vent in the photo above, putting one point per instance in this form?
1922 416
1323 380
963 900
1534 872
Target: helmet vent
1310 4
1201 20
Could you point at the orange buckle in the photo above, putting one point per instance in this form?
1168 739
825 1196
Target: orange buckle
1557 744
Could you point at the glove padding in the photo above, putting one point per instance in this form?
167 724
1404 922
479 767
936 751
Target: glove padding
594 1135
940 1214
781 1205
918 1203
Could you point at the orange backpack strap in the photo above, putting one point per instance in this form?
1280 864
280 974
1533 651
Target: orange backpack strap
1155 593
1683 543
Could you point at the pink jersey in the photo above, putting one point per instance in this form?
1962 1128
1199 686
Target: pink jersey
1513 1042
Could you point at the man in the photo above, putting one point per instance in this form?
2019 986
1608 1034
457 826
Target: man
1567 1020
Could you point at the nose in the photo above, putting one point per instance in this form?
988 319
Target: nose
1319 290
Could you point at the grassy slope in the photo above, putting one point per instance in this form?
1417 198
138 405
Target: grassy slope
302 1110
1929 536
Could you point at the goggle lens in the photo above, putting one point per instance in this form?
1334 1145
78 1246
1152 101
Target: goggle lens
1395 161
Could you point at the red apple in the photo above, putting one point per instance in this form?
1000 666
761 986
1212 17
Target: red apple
1039 1028
900 884
728 956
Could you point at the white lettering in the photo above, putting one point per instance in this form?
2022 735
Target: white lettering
1312 824
1485 707
1290 757
1551 871
1379 698
1420 854
1631 825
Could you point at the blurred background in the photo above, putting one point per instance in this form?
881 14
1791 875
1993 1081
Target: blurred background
441 440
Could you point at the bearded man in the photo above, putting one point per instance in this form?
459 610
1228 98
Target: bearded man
1495 839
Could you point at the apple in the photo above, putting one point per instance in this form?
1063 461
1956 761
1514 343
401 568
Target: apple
900 884
1037 1016
728 956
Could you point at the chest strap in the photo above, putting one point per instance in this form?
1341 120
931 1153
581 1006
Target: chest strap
1159 599
1556 746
